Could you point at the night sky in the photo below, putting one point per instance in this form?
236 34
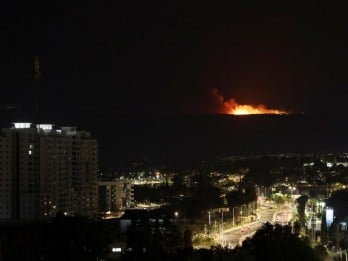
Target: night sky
164 57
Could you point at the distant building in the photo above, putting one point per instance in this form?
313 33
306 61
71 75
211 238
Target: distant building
46 170
153 217
329 216
114 196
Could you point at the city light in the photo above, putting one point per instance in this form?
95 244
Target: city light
22 125
329 216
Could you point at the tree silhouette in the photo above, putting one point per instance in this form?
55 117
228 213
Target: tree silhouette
278 243
301 209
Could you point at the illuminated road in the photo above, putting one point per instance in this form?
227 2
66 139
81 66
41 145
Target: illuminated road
235 236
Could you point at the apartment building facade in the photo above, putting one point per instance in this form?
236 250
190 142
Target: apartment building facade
46 170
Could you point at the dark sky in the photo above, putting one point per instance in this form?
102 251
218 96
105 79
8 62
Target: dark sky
164 56
103 63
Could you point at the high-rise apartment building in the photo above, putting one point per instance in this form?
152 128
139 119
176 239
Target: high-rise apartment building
45 170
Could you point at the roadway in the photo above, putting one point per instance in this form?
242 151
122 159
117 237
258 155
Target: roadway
234 236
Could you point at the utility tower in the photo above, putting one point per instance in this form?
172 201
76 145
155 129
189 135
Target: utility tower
37 89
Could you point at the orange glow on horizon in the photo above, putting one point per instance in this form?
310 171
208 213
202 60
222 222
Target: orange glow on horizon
232 107
248 109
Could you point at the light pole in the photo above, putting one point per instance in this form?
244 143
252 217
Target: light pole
176 215
222 224
233 216
241 213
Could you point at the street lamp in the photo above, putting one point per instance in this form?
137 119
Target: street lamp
241 213
176 215
222 224
222 221
233 216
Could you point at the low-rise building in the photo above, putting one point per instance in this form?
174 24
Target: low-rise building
114 196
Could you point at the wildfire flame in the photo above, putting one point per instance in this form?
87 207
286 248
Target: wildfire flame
232 107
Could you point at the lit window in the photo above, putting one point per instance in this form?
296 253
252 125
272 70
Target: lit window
29 152
22 125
